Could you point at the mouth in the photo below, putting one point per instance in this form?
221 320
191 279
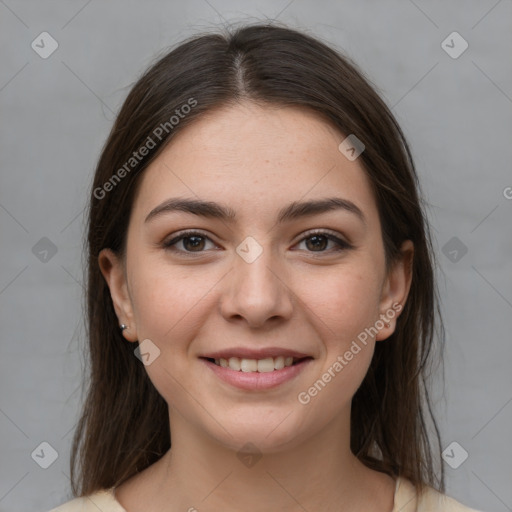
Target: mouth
259 374
264 365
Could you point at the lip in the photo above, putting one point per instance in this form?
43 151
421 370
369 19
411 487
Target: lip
251 353
256 381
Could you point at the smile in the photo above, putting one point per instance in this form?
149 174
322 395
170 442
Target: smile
257 374
268 364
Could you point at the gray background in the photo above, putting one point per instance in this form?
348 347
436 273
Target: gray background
56 113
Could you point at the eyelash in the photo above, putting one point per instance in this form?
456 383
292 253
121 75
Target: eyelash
342 245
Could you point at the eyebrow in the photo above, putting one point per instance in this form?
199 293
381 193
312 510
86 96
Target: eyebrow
293 211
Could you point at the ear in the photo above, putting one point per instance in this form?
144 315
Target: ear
112 268
396 289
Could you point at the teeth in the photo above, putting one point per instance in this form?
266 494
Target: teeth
234 363
279 363
249 365
266 365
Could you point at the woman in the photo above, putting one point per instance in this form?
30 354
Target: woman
261 300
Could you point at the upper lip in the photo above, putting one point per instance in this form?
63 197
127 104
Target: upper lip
251 353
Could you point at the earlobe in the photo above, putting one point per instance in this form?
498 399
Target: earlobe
396 290
112 269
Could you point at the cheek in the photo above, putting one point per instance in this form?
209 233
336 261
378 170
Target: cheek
343 308
165 300
344 301
168 308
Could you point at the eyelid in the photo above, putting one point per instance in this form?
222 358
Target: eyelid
177 237
340 240
325 232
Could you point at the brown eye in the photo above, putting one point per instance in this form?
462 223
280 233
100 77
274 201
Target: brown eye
193 243
188 242
319 241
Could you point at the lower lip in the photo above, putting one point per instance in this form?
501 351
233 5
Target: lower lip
256 380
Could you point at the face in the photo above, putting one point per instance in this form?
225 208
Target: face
269 282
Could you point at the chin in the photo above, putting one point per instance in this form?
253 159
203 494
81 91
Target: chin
267 436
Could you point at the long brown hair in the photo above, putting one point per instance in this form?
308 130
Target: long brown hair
124 425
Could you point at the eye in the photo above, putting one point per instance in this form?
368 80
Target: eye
318 241
190 241
196 242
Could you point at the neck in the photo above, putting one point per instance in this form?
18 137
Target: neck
320 473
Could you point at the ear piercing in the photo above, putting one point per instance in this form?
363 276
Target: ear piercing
123 327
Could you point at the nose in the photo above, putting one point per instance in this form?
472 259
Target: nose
256 292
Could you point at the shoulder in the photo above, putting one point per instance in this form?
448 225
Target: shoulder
430 500
103 500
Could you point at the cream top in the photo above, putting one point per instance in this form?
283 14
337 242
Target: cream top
406 500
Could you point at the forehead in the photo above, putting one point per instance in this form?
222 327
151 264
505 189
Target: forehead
255 158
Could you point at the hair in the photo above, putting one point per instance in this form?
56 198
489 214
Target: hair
124 423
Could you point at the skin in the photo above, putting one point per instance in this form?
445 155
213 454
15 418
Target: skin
256 159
